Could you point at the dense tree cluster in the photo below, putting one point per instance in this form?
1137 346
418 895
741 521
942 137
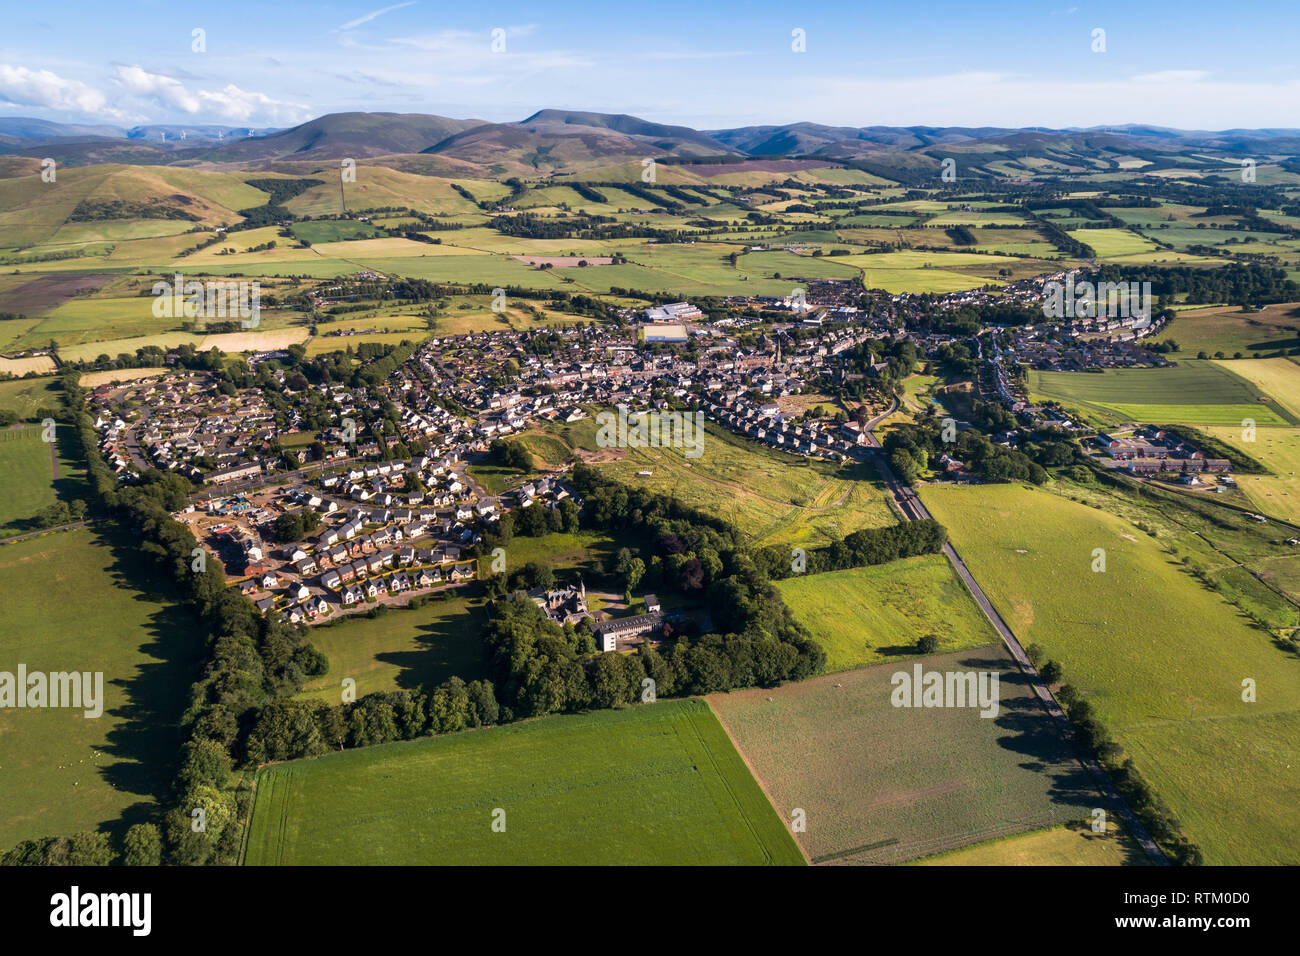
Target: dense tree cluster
866 547
281 191
542 668
1238 283
289 729
913 448
98 210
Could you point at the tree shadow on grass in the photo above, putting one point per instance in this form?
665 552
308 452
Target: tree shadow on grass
1028 731
145 745
71 483
1273 345
449 646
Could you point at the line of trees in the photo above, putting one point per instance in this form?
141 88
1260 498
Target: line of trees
1093 737
866 547
251 660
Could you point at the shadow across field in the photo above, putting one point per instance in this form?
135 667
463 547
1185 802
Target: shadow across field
447 647
887 784
145 743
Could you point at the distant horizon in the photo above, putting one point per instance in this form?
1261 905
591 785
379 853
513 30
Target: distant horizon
268 130
1015 64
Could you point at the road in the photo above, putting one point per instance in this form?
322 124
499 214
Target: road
869 427
914 510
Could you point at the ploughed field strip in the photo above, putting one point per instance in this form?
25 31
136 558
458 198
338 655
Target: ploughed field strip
1192 392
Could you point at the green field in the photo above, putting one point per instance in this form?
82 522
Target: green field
1159 656
875 614
333 230
1278 378
653 784
582 553
883 784
26 396
1277 449
417 648
1228 330
1192 392
1112 242
27 476
773 496
93 604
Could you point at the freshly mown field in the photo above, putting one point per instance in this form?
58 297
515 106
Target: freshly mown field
1160 657
775 497
40 364
402 648
1192 392
252 341
936 280
79 601
1277 449
94 379
1112 242
652 784
1228 330
1277 377
1074 845
885 784
875 614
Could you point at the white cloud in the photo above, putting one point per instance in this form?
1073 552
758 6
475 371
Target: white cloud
444 41
686 55
25 87
229 103
241 106
366 18
158 86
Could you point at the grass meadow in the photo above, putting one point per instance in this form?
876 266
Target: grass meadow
401 648
773 496
1277 449
82 601
28 478
871 615
1072 845
1160 657
1279 378
653 784
26 396
1228 330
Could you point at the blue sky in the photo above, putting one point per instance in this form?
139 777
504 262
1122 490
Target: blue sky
1191 64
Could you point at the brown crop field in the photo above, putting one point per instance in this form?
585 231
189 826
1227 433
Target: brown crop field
40 295
881 784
